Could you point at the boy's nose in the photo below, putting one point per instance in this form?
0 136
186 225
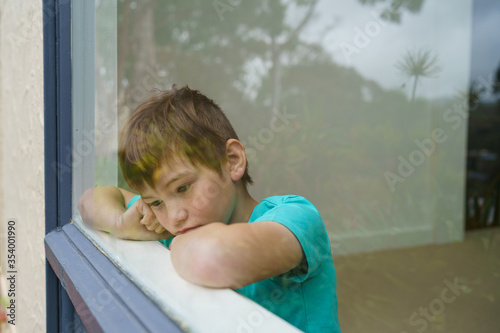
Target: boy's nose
176 216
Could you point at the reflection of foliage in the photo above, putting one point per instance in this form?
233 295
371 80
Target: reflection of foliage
392 12
340 143
190 32
417 64
476 90
496 82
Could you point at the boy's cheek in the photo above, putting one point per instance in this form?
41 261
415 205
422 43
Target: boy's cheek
207 195
204 194
200 202
162 221
212 191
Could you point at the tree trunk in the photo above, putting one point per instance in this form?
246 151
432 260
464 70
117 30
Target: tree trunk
143 54
276 74
414 88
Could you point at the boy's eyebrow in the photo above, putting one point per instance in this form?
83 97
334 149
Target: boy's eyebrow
173 179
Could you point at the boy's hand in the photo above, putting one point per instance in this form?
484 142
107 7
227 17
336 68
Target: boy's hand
140 223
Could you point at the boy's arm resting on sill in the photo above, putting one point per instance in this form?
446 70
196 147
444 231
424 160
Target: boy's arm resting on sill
232 256
104 208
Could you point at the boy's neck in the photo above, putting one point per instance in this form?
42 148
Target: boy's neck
244 207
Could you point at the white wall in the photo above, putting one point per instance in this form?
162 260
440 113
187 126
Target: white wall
21 154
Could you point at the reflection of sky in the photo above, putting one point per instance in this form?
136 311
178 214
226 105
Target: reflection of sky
443 26
485 41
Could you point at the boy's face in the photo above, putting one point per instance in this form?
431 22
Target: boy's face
185 197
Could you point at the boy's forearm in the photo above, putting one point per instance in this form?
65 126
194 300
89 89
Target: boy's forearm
232 256
102 207
192 256
210 256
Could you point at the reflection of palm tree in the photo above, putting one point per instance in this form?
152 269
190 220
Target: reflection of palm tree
418 64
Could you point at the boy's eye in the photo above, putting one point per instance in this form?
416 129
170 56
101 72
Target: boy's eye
155 203
183 188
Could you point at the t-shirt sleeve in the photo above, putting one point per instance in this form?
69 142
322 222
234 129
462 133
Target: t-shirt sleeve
165 242
303 220
133 200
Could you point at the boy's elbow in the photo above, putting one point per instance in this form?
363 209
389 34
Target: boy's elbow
203 264
84 203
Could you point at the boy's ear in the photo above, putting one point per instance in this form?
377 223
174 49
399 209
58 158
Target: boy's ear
236 159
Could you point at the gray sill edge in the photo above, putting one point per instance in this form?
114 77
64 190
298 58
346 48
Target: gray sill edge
104 298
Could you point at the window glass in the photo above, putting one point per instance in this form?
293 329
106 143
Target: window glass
483 156
360 106
346 104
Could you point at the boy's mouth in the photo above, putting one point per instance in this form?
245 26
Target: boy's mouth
183 231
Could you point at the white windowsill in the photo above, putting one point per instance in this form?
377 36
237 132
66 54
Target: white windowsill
195 308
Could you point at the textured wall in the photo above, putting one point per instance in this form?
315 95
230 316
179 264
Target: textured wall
2 259
22 169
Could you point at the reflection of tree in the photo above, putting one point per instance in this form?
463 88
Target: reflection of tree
277 49
392 11
190 32
496 82
476 90
418 64
483 162
255 58
136 51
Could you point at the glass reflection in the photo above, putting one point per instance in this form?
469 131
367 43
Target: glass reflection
360 106
483 158
359 91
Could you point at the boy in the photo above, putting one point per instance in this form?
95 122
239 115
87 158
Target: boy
180 152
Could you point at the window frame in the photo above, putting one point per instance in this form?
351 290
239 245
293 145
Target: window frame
78 275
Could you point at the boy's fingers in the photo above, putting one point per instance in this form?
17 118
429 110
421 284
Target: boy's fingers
149 219
144 209
151 226
149 222
155 226
159 229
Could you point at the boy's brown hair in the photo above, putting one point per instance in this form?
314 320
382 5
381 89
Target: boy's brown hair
174 123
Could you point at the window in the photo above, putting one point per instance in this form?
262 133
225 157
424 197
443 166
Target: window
91 284
365 143
86 281
360 107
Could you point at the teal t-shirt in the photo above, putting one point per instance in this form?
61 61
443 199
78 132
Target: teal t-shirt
306 296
